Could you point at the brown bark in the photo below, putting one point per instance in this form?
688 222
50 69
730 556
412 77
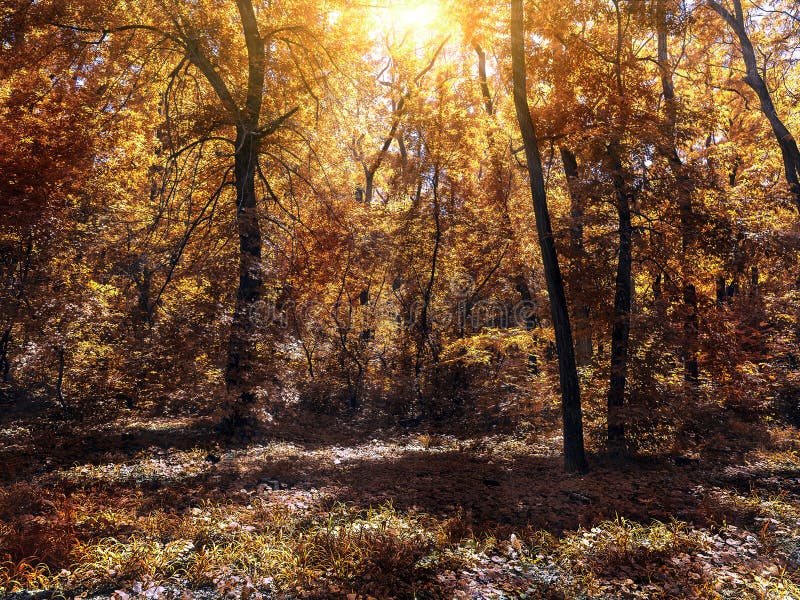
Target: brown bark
574 455
241 357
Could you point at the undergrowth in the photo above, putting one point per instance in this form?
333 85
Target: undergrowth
376 551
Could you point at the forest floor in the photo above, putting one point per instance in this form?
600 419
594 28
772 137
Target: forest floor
153 508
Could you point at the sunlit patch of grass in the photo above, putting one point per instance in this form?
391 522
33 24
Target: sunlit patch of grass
378 549
781 586
111 562
748 587
13 432
426 440
174 466
26 573
65 533
374 551
781 458
159 424
754 510
274 546
673 560
622 549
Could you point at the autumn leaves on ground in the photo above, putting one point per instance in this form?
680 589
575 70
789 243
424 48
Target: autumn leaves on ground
399 299
153 509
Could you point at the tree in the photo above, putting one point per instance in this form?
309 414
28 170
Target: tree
683 188
250 108
786 141
574 456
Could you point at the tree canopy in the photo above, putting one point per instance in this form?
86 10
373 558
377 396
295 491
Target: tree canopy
235 208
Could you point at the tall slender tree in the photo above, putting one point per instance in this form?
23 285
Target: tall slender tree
683 190
623 284
574 455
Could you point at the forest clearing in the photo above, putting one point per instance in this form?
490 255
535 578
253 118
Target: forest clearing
399 299
148 509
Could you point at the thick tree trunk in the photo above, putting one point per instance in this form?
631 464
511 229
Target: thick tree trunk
786 142
239 372
620 331
240 379
369 186
574 456
691 370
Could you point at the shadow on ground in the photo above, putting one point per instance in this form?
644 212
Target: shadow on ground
488 491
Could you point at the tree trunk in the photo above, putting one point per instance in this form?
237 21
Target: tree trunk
488 103
583 332
5 364
620 331
684 195
239 372
369 185
786 142
574 456
427 295
529 317
60 381
690 368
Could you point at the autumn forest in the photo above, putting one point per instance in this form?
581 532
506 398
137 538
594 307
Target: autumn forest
399 299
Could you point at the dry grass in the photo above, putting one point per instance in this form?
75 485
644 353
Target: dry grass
375 551
171 519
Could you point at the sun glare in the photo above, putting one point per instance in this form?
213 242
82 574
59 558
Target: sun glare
421 20
420 17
